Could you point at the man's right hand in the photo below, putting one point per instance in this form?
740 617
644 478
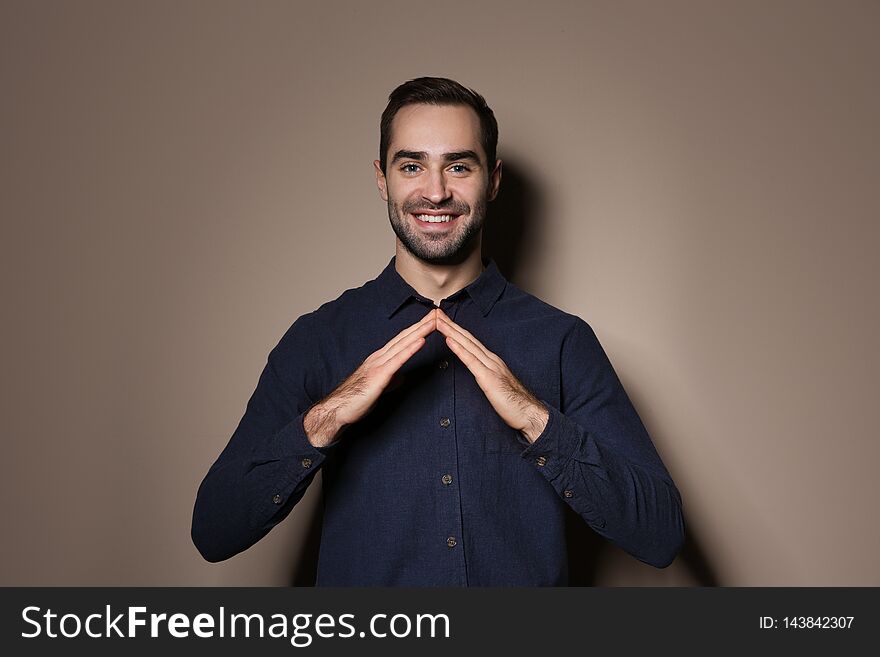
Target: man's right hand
355 396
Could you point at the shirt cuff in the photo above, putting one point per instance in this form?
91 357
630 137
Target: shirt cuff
554 447
287 462
555 453
291 441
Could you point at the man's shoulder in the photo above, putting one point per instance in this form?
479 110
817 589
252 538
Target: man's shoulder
333 312
517 303
537 321
349 301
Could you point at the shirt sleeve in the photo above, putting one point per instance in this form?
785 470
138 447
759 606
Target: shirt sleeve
268 463
598 456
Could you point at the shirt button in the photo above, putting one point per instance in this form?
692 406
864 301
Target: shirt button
446 479
451 542
541 461
307 463
444 422
567 493
276 499
444 364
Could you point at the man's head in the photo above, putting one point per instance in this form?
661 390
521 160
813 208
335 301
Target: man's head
438 91
437 162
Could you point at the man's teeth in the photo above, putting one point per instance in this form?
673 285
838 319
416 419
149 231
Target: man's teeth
434 219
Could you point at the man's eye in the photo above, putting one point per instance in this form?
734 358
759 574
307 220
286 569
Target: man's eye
459 168
409 168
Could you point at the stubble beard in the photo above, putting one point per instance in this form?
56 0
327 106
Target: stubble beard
439 248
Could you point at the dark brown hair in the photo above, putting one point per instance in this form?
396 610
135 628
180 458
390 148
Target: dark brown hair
438 91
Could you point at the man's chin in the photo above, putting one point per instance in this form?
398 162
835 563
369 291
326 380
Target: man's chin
429 257
421 249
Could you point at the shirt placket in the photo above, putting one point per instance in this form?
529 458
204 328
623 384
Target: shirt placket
447 475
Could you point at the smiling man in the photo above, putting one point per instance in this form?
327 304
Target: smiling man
456 418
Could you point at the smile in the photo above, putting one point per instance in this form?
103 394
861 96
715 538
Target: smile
435 219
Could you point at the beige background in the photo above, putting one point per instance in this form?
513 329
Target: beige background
181 180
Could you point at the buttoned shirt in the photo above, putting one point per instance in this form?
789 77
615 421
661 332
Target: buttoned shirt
432 487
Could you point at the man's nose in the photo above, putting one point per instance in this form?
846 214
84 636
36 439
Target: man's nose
435 189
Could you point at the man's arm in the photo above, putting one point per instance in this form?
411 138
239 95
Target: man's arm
268 463
283 439
598 456
595 452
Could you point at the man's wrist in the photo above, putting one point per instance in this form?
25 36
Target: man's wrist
320 425
538 416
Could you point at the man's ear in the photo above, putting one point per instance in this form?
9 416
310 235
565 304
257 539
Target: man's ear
381 183
495 180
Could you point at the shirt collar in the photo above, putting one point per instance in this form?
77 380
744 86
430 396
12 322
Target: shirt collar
394 291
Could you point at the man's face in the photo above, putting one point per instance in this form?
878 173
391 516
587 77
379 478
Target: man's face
437 181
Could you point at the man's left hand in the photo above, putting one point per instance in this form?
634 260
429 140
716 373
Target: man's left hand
518 407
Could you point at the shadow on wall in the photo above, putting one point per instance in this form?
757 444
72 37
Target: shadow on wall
510 234
510 237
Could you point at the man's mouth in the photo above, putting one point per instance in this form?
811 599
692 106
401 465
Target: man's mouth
434 217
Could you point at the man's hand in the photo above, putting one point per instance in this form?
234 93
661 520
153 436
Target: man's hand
518 407
355 396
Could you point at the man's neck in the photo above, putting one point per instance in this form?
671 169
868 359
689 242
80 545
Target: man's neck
436 282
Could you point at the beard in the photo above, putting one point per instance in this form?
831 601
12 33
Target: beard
449 248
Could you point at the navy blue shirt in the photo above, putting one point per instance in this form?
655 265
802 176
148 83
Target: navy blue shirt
432 488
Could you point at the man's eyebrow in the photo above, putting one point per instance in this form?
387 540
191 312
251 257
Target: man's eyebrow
461 155
409 155
421 156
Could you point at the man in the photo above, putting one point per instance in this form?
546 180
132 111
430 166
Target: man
454 416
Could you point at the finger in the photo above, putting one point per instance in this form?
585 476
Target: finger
451 331
427 320
466 335
396 361
469 336
419 333
451 334
448 328
471 361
